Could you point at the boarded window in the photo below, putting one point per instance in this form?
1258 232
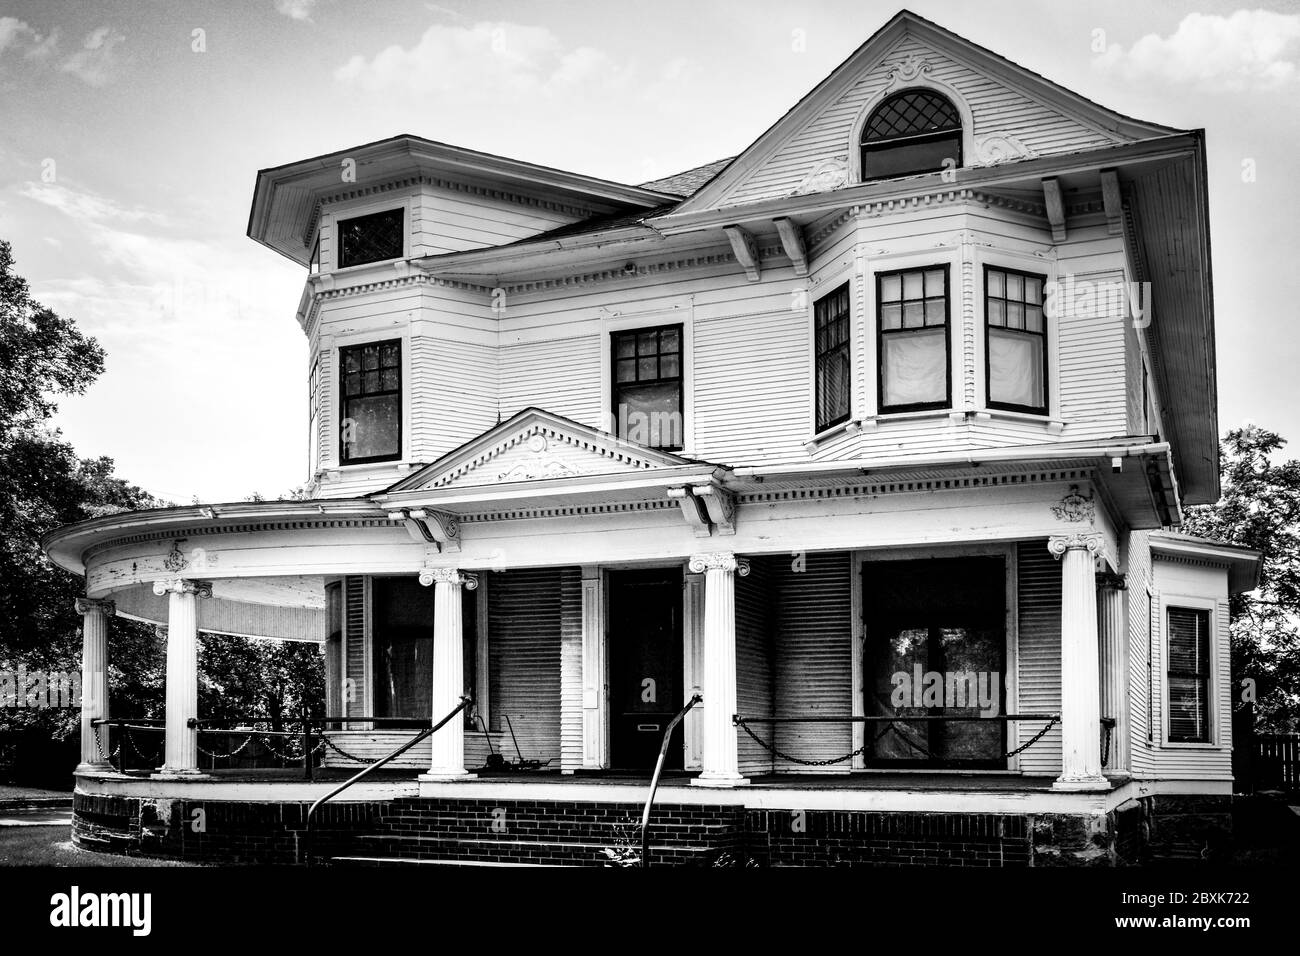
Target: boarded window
1015 341
831 319
1189 674
370 421
371 238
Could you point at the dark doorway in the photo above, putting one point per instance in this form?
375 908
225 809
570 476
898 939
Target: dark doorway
645 666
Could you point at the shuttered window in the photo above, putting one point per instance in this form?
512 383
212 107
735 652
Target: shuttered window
1188 674
831 329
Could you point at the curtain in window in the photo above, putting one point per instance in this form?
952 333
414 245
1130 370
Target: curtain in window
914 367
1015 369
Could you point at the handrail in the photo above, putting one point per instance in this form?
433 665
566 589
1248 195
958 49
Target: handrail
427 732
654 780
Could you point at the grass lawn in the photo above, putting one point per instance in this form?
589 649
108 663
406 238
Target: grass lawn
52 846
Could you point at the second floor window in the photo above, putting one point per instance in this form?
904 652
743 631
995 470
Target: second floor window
833 378
1015 346
313 419
1189 674
912 132
646 386
371 238
370 411
915 368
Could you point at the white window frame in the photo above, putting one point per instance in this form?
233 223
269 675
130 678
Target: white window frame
652 319
329 226
336 344
1193 603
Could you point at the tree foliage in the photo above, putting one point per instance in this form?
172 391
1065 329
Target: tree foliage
1260 508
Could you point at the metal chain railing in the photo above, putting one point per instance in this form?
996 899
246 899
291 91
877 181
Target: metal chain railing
815 763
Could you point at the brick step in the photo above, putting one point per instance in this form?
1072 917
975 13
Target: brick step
414 861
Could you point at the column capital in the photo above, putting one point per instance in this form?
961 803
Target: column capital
1058 544
86 605
454 576
718 561
1111 581
201 589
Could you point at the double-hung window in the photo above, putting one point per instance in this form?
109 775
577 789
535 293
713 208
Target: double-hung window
1015 344
646 386
1188 674
370 419
914 340
831 315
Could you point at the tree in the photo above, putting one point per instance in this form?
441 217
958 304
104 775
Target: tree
1260 508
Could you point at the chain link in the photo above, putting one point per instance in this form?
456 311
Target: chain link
342 753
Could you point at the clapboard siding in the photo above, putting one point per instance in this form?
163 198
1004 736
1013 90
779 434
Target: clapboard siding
1092 363
453 394
525 624
1140 679
570 668
994 107
812 650
1038 657
753 667
562 376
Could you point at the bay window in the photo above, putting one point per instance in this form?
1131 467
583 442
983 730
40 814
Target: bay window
914 342
1015 343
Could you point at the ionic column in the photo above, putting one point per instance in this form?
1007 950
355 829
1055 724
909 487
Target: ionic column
721 763
1080 690
448 759
95 746
181 753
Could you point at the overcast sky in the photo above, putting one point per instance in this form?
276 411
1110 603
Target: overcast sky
129 145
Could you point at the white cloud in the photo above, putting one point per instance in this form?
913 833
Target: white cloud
296 9
486 60
97 60
1248 50
15 34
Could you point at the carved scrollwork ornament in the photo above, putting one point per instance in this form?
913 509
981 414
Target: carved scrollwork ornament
1074 507
102 605
1058 544
430 576
201 589
718 561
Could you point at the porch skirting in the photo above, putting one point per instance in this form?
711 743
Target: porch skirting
578 824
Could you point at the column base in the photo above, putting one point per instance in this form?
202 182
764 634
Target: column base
96 769
1081 783
719 780
165 773
447 776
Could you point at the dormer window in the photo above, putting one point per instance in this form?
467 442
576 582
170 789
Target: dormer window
912 132
371 238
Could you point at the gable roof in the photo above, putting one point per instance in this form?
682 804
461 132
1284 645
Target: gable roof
870 53
689 182
538 445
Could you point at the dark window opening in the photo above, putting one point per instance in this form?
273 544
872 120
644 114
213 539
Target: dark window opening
646 387
912 132
1015 343
831 321
1189 674
403 646
913 340
371 238
936 647
370 420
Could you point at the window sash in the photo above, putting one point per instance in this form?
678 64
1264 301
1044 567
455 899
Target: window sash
1187 674
358 249
1010 318
361 388
647 366
833 363
918 319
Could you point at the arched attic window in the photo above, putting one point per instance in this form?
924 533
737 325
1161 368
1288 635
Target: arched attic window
912 132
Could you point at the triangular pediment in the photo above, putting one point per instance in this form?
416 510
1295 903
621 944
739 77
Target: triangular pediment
536 445
1009 114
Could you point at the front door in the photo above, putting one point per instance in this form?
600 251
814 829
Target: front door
645 666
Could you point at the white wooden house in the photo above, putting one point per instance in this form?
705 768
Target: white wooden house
891 416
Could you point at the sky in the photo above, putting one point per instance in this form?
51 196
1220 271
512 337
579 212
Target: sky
131 134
